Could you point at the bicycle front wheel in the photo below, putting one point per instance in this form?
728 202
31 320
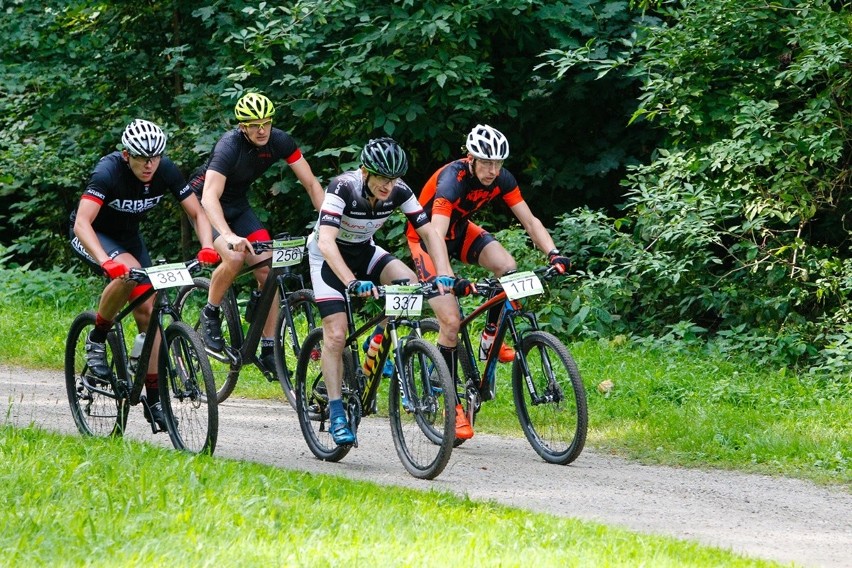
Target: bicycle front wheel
189 303
422 414
187 391
98 410
550 398
312 398
305 317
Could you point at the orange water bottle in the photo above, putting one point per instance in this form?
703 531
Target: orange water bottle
371 359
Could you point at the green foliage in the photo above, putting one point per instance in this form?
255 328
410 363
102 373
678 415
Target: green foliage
74 73
735 230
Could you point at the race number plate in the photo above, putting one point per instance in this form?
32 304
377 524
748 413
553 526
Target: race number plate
521 284
287 252
168 275
403 300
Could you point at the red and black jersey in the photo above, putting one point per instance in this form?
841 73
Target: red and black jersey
241 162
124 198
455 192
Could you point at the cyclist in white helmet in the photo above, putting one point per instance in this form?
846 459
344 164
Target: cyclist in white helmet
451 196
122 188
223 182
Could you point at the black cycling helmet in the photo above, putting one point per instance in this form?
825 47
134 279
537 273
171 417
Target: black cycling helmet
384 157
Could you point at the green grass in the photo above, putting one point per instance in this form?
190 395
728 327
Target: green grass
75 501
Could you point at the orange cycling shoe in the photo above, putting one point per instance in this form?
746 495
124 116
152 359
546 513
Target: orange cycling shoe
463 429
506 355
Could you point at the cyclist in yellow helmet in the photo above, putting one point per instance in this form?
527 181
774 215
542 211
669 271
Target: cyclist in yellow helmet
239 158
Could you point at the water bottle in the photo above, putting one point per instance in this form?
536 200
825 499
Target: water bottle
372 354
252 304
136 351
487 340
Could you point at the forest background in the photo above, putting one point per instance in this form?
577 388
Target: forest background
693 158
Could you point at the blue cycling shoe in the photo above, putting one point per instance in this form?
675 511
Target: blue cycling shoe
340 431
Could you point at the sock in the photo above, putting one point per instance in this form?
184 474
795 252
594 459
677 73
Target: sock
102 327
494 314
335 408
152 391
267 346
450 355
211 310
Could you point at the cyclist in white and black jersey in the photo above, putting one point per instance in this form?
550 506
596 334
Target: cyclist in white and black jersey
104 233
344 257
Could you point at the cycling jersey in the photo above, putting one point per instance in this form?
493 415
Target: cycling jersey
241 162
124 198
455 192
347 207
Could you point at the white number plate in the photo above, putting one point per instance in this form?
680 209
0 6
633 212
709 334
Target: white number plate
287 253
168 275
403 300
521 284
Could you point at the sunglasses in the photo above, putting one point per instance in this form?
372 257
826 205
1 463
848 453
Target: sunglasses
258 125
146 159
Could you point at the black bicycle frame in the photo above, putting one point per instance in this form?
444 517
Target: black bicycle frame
486 381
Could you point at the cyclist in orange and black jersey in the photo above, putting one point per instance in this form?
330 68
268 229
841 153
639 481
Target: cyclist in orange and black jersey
450 197
461 195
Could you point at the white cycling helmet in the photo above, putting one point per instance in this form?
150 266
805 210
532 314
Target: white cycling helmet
143 138
487 143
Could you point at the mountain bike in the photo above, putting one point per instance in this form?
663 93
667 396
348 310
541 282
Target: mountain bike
550 399
187 393
422 419
297 315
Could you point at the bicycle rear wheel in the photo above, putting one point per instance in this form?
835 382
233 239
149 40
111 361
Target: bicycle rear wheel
550 400
97 409
423 426
288 340
187 391
312 398
189 303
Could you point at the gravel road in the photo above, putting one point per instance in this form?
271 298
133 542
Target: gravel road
763 517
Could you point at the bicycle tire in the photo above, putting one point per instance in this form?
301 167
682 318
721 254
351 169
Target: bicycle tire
423 429
95 414
555 428
429 328
187 390
189 303
305 315
312 398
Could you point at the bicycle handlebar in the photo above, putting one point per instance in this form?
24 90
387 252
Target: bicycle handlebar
488 286
424 288
139 274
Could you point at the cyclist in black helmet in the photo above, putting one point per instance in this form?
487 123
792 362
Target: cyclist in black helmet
123 187
239 158
344 257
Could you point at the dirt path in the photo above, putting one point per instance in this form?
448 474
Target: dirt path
763 517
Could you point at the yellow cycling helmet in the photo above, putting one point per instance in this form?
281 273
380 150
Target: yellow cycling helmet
253 106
